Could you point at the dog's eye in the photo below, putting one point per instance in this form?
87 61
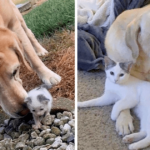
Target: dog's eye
14 73
121 75
111 73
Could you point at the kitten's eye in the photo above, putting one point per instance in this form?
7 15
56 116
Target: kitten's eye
121 75
111 73
33 110
41 109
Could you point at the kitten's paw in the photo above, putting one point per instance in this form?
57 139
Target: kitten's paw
124 124
36 126
114 116
127 139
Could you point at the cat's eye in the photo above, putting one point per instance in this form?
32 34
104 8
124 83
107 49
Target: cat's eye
41 109
121 75
33 110
111 73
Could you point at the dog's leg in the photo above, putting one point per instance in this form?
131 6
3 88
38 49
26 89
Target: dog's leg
107 98
124 123
39 49
46 75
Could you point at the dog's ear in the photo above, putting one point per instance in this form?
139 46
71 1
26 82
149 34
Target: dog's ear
19 52
131 37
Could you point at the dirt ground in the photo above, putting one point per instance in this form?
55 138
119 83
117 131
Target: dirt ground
60 59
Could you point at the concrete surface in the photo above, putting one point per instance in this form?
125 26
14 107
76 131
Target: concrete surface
96 131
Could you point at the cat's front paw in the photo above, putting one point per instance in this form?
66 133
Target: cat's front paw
37 126
114 115
134 146
127 139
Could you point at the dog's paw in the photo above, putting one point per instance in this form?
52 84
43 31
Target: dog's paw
127 139
50 78
124 124
42 52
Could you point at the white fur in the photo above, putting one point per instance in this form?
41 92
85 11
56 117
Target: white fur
37 105
127 92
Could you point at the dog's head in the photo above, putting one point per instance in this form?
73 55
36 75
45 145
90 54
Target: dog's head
12 93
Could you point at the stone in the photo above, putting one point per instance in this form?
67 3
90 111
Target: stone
34 135
72 123
6 122
1 137
2 130
6 136
66 136
56 122
66 128
70 138
44 127
47 136
68 114
50 141
39 141
57 142
24 137
63 146
70 147
65 119
44 132
14 135
43 148
55 130
20 145
27 148
24 127
37 131
59 115
47 120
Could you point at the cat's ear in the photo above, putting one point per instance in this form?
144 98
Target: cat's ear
42 99
108 63
28 100
126 66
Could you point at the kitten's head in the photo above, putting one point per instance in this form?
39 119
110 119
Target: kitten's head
37 107
117 72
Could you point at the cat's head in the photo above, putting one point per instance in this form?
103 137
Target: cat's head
37 105
117 72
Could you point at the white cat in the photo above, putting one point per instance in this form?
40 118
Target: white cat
39 102
126 92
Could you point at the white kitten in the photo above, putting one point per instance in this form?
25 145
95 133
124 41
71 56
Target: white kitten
126 92
39 101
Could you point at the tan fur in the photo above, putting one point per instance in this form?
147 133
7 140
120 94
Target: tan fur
16 45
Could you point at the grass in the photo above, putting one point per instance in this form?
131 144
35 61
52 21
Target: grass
51 15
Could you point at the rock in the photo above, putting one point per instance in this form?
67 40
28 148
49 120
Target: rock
37 131
55 130
65 119
20 145
52 118
47 136
14 135
59 115
1 137
27 148
70 147
43 127
70 138
39 141
66 128
6 122
50 141
43 148
63 146
24 127
34 135
68 114
56 122
44 132
30 143
24 137
72 123
57 142
6 136
47 120
2 129
66 136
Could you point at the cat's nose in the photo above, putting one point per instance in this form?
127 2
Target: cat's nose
116 81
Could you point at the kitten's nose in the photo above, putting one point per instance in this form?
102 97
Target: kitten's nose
116 81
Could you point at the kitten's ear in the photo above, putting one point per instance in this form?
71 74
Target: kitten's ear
42 99
28 100
126 66
108 63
